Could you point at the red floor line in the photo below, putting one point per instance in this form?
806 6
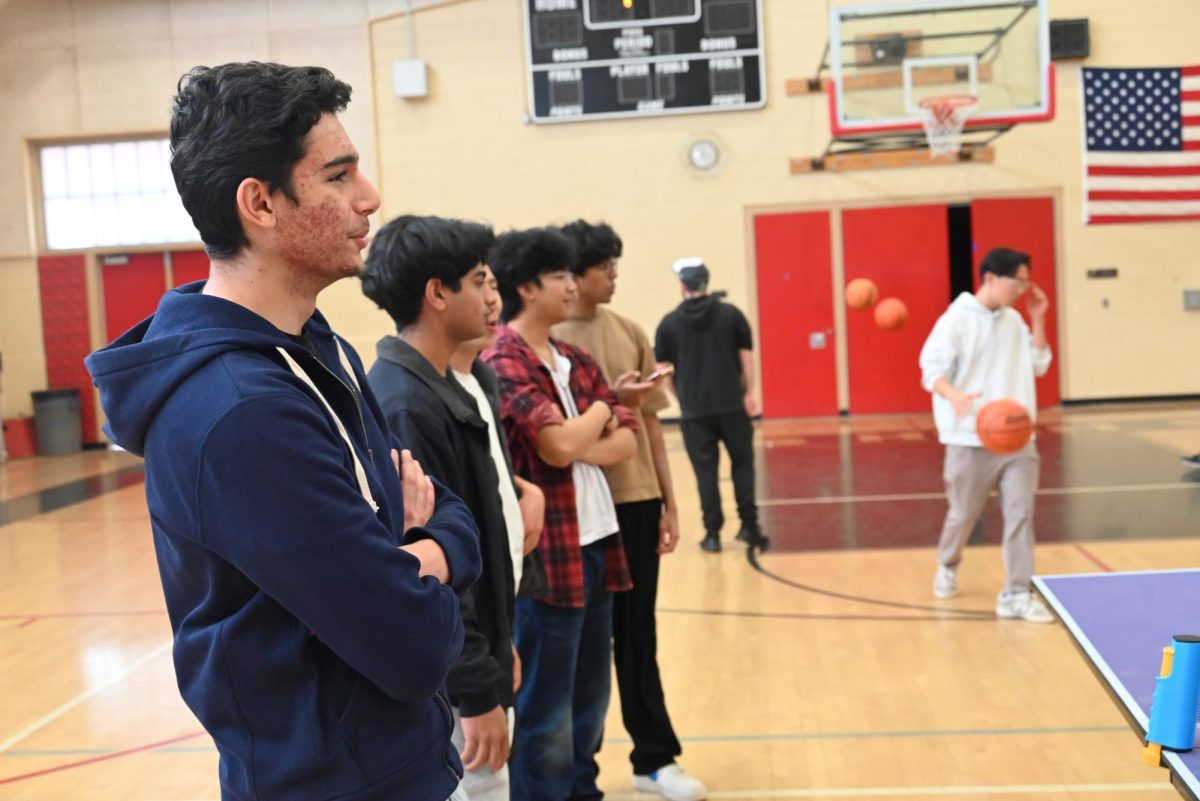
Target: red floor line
93 760
1095 559
30 618
28 621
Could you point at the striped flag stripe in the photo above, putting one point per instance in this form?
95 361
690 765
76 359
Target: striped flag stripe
1142 159
1146 207
1098 169
1171 183
1189 71
1112 194
1104 219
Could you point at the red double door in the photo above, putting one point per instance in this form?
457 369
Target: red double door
905 251
134 284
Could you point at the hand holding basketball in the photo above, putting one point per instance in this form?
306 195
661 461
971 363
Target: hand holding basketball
963 401
1003 426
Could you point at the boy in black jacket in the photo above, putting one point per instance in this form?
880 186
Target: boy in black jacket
428 274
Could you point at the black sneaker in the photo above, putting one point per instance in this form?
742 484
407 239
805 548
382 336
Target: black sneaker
753 537
1192 461
711 543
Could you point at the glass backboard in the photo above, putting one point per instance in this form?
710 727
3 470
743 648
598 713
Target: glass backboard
886 58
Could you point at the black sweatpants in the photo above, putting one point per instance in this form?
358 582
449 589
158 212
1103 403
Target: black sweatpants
701 436
635 642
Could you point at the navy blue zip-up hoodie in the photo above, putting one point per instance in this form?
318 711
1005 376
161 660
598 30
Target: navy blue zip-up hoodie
305 640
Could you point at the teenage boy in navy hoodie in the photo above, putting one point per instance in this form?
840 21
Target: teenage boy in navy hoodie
312 591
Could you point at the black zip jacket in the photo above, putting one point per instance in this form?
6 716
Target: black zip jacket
439 422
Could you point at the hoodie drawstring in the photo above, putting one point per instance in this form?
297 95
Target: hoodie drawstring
359 472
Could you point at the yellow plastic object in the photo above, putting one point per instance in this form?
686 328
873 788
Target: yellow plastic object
1152 753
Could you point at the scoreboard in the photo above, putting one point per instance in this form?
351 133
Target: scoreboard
603 59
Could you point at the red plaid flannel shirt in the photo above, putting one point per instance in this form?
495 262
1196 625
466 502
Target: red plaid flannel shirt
528 403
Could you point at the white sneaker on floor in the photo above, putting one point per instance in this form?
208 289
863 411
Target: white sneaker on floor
671 782
1022 606
945 582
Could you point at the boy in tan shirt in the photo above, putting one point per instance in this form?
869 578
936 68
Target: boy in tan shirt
641 489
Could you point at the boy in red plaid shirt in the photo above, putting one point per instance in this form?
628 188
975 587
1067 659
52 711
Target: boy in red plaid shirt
563 424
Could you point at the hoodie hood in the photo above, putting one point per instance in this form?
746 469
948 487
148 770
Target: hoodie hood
141 369
967 302
698 312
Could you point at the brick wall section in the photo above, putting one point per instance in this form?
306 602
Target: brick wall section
66 329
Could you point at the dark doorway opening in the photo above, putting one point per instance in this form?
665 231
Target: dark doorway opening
962 259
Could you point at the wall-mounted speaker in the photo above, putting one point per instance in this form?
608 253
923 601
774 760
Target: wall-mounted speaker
1069 39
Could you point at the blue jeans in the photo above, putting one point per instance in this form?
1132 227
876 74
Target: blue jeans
566 662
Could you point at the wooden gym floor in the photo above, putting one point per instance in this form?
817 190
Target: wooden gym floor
831 673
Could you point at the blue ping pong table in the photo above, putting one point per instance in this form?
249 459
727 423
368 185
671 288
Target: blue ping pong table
1121 622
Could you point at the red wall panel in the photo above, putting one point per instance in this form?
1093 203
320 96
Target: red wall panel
795 299
131 291
1025 224
66 332
905 251
188 266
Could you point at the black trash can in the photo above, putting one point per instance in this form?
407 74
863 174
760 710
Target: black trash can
56 421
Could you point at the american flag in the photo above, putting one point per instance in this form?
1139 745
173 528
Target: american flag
1142 144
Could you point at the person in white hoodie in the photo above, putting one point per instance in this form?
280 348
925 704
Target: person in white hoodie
981 350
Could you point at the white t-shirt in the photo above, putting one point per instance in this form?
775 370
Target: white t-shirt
508 494
593 499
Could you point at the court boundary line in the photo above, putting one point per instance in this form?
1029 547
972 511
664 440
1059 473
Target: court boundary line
941 496
64 708
922 792
93 760
940 614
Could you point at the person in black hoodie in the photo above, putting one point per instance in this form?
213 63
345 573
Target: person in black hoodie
709 344
428 274
311 589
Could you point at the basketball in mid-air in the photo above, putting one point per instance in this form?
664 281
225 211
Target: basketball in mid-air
1004 426
861 293
891 314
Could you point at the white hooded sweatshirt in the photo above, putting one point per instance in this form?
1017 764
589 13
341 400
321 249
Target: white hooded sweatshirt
977 349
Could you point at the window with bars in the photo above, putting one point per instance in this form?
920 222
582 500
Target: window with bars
105 194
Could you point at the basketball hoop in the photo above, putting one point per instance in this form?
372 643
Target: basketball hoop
944 117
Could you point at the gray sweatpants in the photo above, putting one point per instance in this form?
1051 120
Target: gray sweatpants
970 475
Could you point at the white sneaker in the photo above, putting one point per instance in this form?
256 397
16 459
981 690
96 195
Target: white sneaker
1022 606
672 782
945 582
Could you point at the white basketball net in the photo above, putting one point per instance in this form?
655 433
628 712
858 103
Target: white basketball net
944 117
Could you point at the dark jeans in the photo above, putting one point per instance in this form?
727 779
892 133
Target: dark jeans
635 642
701 436
565 657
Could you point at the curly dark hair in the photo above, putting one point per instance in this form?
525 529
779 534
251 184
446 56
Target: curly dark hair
411 250
594 244
239 121
522 257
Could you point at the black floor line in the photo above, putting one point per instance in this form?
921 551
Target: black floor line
940 612
63 495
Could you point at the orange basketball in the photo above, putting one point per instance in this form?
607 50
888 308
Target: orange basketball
861 293
891 314
1003 426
